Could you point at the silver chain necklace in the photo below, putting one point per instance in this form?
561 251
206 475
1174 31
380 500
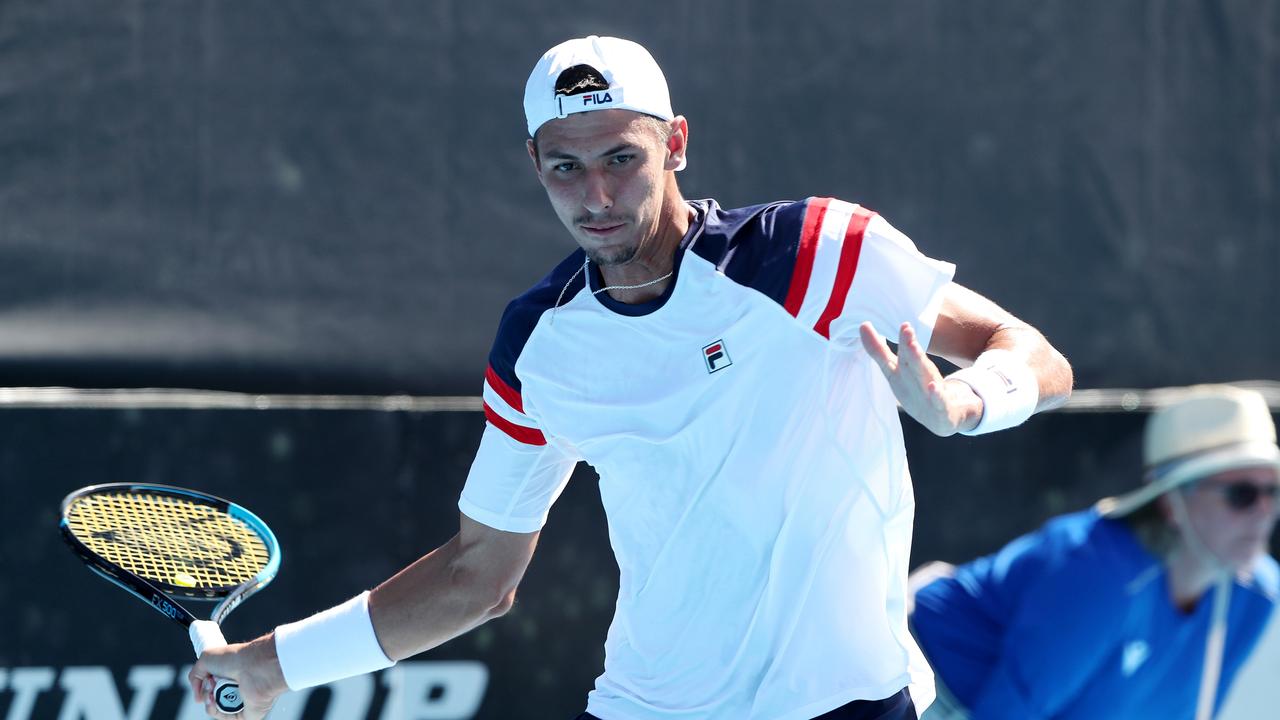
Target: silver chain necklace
654 281
698 209
586 262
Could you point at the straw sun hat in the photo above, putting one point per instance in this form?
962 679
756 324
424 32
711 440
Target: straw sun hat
1210 429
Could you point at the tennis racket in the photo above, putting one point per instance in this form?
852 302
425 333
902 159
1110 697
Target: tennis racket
160 542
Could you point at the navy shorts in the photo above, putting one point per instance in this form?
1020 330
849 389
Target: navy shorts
894 707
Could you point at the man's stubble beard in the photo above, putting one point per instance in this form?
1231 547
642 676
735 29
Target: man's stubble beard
615 256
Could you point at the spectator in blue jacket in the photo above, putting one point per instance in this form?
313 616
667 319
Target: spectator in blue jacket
1144 606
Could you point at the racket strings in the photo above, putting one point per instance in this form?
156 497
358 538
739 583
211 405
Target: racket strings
168 540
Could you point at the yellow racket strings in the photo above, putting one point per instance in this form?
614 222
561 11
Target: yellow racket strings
168 539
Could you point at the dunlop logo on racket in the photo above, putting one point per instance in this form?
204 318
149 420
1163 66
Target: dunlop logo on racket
192 553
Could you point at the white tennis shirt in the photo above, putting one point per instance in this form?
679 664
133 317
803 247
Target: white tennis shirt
750 458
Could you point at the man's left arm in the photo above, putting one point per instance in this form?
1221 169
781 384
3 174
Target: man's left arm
1009 369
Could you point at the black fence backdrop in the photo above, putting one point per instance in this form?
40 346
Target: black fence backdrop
314 195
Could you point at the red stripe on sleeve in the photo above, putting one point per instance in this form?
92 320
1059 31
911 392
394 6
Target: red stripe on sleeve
505 391
519 433
849 253
809 231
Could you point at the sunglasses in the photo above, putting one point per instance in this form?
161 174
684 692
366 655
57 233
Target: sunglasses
1243 495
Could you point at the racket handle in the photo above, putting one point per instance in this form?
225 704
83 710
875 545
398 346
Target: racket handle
226 693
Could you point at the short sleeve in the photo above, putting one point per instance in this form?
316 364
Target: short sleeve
851 266
518 472
893 283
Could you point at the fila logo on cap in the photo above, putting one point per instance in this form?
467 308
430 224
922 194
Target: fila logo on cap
590 101
716 356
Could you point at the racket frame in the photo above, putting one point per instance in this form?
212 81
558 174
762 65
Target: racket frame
159 596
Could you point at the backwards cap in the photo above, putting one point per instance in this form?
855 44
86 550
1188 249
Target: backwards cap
635 82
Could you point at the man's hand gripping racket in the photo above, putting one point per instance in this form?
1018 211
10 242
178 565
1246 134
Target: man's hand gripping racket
159 542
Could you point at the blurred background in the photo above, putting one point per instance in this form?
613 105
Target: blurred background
313 212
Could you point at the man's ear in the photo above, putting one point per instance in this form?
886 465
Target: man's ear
533 157
678 143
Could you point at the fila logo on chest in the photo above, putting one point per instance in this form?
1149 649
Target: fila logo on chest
716 356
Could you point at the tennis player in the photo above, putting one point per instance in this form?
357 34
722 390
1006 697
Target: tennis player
726 372
1142 607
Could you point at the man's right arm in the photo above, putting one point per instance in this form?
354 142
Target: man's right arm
460 585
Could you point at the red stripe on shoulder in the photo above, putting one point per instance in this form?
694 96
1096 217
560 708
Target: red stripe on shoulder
809 231
519 433
849 253
505 391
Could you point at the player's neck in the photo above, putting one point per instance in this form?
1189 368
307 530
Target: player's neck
655 260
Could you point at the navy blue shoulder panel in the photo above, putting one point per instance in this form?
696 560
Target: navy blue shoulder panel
754 246
522 314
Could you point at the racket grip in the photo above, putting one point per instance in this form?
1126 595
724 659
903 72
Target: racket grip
226 693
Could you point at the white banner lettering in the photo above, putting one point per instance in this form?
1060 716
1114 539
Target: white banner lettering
91 693
434 691
413 691
26 684
349 698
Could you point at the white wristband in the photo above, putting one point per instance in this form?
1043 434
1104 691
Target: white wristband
331 645
1007 386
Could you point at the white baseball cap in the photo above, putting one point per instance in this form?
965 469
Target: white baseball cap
635 82
1211 429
